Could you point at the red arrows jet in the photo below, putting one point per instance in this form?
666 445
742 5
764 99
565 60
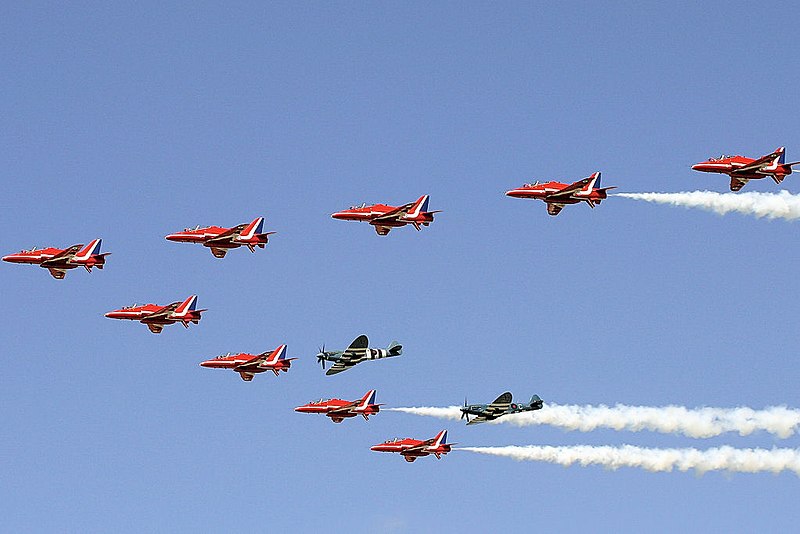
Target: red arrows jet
557 195
742 169
58 261
219 239
156 317
384 217
338 409
248 365
411 449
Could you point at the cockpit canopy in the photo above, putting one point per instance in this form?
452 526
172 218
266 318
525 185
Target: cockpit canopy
534 184
223 356
722 157
196 228
134 305
363 205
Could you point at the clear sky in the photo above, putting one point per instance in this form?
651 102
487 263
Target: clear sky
128 123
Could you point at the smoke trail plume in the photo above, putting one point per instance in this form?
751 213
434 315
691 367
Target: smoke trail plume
656 460
781 205
780 421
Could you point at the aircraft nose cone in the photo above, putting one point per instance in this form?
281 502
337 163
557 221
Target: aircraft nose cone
171 237
205 364
375 448
7 258
338 215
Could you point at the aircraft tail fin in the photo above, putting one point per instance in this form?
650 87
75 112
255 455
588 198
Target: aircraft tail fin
535 399
277 354
781 152
395 349
187 306
255 227
368 399
594 181
89 250
440 439
420 206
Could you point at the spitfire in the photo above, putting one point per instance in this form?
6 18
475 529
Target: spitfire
58 261
501 406
383 218
741 169
357 352
557 195
338 410
156 317
248 365
220 239
411 449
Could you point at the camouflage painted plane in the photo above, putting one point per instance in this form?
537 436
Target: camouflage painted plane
357 352
501 406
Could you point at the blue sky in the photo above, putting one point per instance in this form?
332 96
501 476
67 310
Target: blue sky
128 123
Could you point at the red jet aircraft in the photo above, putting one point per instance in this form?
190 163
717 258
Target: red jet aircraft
338 409
742 169
219 239
557 195
57 260
156 317
247 365
384 217
411 449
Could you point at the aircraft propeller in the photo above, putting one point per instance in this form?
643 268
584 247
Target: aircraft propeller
464 411
321 356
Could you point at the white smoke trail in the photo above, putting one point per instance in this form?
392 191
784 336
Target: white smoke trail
717 459
780 421
781 205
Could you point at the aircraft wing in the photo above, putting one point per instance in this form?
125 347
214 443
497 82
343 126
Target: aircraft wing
419 447
155 328
756 165
226 236
737 183
58 274
500 404
554 208
251 363
247 377
568 191
477 419
393 215
357 348
218 252
163 313
351 355
338 367
64 254
347 408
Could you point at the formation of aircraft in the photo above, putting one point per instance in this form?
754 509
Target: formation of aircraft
156 317
557 195
338 410
58 261
741 169
501 406
220 239
357 352
248 365
411 449
383 217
